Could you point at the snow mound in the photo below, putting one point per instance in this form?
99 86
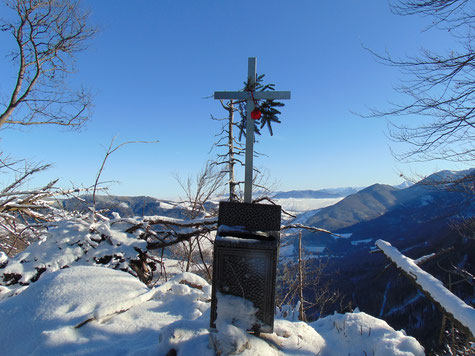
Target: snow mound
90 310
359 334
48 310
294 338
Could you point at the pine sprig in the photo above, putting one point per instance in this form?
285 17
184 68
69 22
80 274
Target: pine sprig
267 107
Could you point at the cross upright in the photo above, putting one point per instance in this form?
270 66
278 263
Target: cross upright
250 96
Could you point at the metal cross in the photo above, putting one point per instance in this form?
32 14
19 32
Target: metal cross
246 95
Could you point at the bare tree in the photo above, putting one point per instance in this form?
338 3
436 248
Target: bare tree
194 251
230 156
47 34
466 228
440 87
233 149
301 283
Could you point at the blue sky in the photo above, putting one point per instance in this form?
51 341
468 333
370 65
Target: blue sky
153 64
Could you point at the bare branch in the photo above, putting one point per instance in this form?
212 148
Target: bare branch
47 34
440 88
109 151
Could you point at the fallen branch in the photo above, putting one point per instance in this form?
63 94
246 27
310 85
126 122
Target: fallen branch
466 276
178 237
118 308
450 305
310 228
163 220
255 201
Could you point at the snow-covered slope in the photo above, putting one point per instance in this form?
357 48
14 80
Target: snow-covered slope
90 310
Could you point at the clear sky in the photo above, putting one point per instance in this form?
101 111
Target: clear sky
154 62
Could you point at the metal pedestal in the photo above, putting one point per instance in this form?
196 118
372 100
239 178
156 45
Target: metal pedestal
245 258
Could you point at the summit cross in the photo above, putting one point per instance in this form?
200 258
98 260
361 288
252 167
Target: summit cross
250 96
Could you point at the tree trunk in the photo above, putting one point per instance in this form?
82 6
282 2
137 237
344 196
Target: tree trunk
301 312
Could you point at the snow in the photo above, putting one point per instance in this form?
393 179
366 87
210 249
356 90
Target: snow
48 310
385 296
359 242
90 310
345 236
226 230
402 307
3 258
235 316
315 249
404 185
448 176
359 333
464 313
124 205
73 242
286 251
168 206
422 259
236 239
181 222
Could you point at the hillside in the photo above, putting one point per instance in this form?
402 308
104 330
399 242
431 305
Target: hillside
419 220
384 210
364 205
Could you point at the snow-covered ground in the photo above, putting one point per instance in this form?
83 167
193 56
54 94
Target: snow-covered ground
90 310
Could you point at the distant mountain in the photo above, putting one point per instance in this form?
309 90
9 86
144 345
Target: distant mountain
127 206
449 177
418 204
404 185
317 194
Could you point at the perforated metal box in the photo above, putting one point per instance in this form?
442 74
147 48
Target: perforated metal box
245 258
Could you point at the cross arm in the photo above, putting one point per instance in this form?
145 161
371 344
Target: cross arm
245 95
